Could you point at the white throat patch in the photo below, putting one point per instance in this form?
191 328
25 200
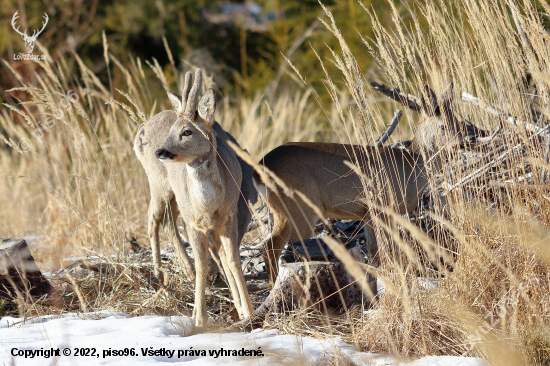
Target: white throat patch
203 190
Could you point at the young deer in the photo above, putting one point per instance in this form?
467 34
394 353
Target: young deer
149 138
318 171
205 177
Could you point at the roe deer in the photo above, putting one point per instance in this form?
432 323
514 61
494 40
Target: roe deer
149 138
317 170
205 176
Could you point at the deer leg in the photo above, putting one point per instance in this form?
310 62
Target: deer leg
302 229
228 237
229 276
199 243
373 257
156 211
243 218
175 238
216 258
275 244
296 225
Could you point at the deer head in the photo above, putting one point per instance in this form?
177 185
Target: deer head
191 138
29 40
439 126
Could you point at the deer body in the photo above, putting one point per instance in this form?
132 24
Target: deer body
206 178
149 138
207 187
317 170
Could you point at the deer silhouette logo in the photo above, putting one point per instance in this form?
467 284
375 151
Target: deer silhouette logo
29 40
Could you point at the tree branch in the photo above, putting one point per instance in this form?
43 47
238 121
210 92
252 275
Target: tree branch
513 121
386 134
396 95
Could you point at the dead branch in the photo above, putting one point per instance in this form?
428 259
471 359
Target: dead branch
386 134
480 171
396 95
513 121
513 185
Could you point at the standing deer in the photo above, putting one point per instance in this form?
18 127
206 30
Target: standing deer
149 138
317 170
29 40
205 177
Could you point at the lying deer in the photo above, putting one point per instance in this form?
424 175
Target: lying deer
149 138
205 177
318 171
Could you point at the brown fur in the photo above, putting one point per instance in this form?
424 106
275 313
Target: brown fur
206 183
206 177
318 171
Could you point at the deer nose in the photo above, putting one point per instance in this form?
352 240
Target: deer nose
164 154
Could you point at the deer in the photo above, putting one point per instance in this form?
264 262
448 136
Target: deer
162 205
319 171
201 179
29 40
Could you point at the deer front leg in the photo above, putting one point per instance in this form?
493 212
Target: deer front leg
373 258
228 237
175 238
156 211
199 243
280 235
228 275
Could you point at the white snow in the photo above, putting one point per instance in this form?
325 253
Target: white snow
108 330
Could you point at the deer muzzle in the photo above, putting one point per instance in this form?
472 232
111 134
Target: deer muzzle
164 155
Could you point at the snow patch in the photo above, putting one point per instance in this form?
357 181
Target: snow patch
110 330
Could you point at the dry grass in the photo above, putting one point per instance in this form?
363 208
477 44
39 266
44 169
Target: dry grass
83 192
494 302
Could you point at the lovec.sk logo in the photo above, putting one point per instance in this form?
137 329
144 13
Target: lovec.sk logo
29 40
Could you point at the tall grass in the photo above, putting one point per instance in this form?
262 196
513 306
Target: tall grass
83 190
80 189
493 295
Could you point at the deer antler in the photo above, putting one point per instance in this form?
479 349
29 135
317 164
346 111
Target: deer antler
15 16
34 34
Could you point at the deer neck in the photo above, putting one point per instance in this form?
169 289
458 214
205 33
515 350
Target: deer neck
205 178
426 155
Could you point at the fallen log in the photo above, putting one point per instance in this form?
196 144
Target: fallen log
315 250
324 285
19 274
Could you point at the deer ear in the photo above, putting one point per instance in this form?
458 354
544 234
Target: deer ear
175 99
428 100
207 105
446 96
446 105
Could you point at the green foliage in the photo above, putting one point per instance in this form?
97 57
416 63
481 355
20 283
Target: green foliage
136 28
3 308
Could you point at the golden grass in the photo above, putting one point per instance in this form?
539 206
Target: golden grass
494 302
83 191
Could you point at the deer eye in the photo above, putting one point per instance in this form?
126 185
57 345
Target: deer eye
186 133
